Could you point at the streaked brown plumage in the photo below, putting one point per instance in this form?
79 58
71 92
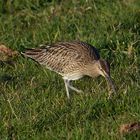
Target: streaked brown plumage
72 60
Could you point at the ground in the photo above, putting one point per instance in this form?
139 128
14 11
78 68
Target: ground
33 101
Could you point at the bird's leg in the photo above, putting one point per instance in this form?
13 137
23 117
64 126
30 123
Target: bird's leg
73 88
67 87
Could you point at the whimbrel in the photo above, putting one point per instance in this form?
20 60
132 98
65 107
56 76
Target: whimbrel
72 60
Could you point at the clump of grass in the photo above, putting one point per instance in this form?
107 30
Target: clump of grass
33 100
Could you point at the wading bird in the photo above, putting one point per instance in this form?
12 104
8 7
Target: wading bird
72 60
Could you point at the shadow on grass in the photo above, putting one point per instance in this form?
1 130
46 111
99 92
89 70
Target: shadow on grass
6 63
6 78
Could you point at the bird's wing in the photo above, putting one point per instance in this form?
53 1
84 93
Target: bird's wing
60 55
86 51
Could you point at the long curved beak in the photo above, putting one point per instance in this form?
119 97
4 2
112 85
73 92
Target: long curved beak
111 86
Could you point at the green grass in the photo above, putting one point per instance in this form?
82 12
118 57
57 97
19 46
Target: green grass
33 102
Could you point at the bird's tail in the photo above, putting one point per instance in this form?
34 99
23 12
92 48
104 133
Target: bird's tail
33 53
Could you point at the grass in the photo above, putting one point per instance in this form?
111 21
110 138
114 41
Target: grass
33 102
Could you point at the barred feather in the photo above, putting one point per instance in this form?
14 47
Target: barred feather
64 57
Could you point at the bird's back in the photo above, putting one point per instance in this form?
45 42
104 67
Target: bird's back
64 57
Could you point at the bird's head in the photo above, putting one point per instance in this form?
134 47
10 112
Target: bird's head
104 70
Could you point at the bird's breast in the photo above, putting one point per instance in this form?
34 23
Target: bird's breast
73 76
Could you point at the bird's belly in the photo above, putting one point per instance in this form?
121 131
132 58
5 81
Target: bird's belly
73 76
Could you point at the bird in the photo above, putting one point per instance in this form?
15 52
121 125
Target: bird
72 60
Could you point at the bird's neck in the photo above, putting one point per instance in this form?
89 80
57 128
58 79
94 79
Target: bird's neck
92 70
